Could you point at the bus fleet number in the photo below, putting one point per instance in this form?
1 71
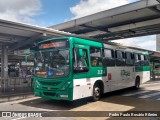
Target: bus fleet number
100 72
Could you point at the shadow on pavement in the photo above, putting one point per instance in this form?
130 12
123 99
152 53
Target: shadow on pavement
137 104
55 104
67 105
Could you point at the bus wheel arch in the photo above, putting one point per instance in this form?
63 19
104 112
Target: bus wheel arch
98 90
137 82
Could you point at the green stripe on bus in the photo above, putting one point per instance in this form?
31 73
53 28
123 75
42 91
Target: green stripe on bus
142 68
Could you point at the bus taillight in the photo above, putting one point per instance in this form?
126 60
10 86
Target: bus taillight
109 76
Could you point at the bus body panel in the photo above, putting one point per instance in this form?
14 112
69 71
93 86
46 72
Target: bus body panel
122 77
83 87
143 73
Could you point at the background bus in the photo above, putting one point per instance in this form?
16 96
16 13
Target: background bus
71 68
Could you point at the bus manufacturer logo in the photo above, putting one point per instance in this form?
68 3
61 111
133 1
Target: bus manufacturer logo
125 73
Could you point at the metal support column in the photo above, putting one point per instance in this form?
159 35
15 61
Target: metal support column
4 67
153 71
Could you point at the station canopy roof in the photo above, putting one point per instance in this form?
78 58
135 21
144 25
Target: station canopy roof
18 36
136 19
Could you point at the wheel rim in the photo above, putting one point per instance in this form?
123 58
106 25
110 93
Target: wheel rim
97 92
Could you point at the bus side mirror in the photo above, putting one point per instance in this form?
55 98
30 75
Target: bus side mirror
34 47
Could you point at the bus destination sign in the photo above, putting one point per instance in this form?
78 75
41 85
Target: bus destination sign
57 44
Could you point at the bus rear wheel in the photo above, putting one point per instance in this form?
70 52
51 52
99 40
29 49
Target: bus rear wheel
97 92
137 83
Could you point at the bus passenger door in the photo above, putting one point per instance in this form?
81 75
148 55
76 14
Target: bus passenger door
119 70
81 76
130 69
109 65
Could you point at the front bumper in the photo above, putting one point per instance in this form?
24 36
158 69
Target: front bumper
56 95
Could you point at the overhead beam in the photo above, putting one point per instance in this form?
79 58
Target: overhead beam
158 1
135 25
32 28
10 36
95 28
26 42
155 9
108 13
144 31
127 27
94 33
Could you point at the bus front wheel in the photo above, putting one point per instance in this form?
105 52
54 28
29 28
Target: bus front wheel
97 91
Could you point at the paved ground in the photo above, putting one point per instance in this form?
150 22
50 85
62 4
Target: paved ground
145 99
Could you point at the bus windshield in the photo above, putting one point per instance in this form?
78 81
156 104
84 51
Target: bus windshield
52 63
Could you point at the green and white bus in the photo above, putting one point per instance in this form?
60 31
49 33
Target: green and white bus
70 68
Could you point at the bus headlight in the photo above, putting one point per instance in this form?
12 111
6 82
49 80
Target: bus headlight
66 85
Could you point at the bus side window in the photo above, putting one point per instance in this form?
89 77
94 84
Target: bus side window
145 57
81 63
120 58
108 57
129 59
142 57
144 60
137 59
96 56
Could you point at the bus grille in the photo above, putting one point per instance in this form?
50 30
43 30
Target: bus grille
49 94
49 83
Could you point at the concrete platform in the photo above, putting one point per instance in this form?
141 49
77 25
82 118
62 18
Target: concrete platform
13 97
15 94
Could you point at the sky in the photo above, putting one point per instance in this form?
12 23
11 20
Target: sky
46 13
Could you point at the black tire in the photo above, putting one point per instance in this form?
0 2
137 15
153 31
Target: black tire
137 83
97 92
